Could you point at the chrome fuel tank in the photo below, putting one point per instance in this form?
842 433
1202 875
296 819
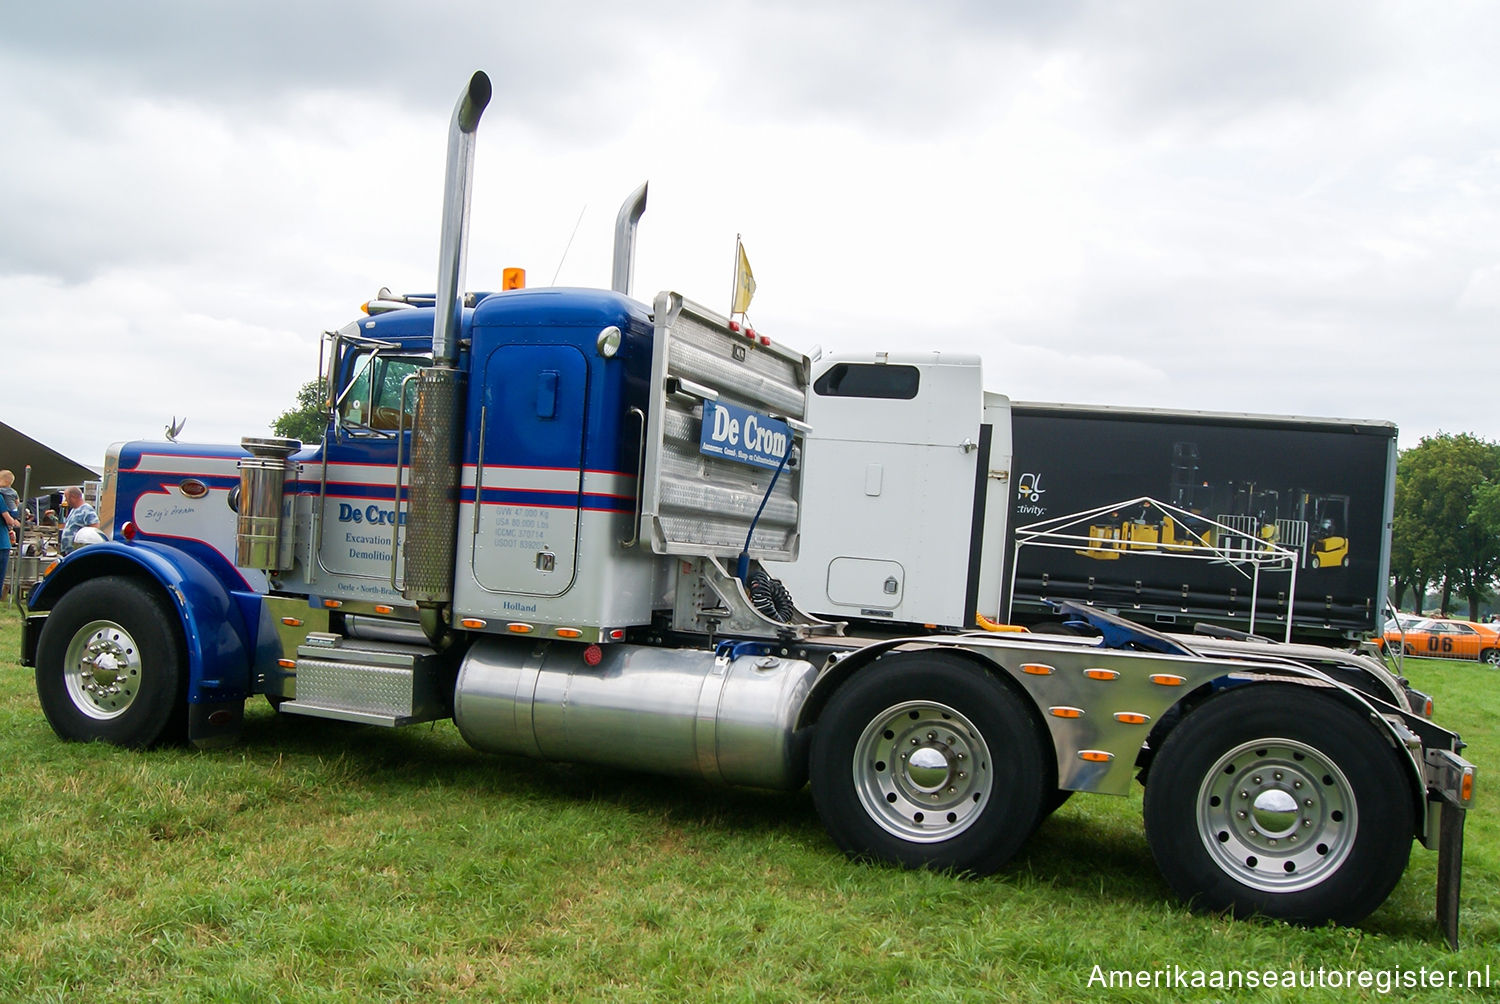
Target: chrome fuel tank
727 715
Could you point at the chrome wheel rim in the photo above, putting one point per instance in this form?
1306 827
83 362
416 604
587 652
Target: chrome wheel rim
102 670
922 771
1277 815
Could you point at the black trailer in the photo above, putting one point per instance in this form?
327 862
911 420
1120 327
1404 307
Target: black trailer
1177 517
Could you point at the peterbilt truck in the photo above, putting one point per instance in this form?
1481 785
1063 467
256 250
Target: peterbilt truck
546 514
1265 524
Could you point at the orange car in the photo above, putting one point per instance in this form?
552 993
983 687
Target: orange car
1445 639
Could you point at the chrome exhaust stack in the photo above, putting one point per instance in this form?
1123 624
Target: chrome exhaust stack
623 274
432 506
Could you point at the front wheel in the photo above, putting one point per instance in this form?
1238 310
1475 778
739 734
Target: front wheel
926 759
1280 801
109 665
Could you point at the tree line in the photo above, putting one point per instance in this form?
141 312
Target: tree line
1446 533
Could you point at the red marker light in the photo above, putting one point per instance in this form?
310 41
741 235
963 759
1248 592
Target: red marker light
129 530
734 326
593 655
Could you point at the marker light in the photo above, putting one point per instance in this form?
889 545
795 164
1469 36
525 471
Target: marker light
473 623
1131 718
513 278
593 655
1101 674
1167 679
129 530
1095 756
1037 669
1065 712
292 621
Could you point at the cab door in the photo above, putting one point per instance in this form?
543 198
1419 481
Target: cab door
529 479
357 529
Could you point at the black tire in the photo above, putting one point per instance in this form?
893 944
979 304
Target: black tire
1491 656
110 667
1328 815
975 765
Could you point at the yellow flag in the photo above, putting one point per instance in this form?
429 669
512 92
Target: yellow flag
744 281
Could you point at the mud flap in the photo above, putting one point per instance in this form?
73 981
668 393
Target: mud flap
1450 869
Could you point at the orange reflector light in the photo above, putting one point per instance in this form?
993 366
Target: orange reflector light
1095 756
292 621
287 663
519 628
333 604
1427 709
381 608
1167 679
569 633
473 623
1037 669
1466 786
1101 674
1065 712
1131 718
513 278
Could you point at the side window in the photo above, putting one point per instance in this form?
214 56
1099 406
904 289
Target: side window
876 380
372 397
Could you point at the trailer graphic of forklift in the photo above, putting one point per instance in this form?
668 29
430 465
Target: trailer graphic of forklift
1246 517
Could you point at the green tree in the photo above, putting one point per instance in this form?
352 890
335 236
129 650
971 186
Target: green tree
1442 530
308 419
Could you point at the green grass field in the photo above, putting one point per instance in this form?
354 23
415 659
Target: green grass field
322 862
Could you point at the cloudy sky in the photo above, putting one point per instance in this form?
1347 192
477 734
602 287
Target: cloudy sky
1280 207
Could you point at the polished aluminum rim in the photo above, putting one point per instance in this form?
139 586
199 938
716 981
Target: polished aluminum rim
1277 815
922 771
102 670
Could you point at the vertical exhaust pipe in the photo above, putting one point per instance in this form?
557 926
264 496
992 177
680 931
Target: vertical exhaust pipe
432 495
452 250
623 275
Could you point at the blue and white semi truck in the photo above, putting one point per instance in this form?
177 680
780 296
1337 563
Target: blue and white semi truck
544 513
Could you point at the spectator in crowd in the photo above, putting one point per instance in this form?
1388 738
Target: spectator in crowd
10 522
80 515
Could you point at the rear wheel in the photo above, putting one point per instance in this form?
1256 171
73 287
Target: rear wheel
1491 656
928 760
1304 814
109 665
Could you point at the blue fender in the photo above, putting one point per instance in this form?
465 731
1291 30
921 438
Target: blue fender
218 641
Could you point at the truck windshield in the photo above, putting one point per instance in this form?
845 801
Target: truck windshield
373 397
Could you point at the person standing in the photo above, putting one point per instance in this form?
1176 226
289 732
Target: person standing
10 523
80 515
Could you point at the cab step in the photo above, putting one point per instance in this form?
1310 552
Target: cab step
369 681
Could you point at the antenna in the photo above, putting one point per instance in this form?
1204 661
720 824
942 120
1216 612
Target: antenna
569 245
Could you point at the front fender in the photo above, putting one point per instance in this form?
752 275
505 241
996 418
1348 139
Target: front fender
216 641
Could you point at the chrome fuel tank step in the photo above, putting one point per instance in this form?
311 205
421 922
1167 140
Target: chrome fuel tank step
726 715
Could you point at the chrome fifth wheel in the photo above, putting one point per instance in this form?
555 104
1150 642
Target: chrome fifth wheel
1280 800
929 759
109 665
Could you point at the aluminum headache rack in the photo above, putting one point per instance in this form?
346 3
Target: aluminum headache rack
1235 545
